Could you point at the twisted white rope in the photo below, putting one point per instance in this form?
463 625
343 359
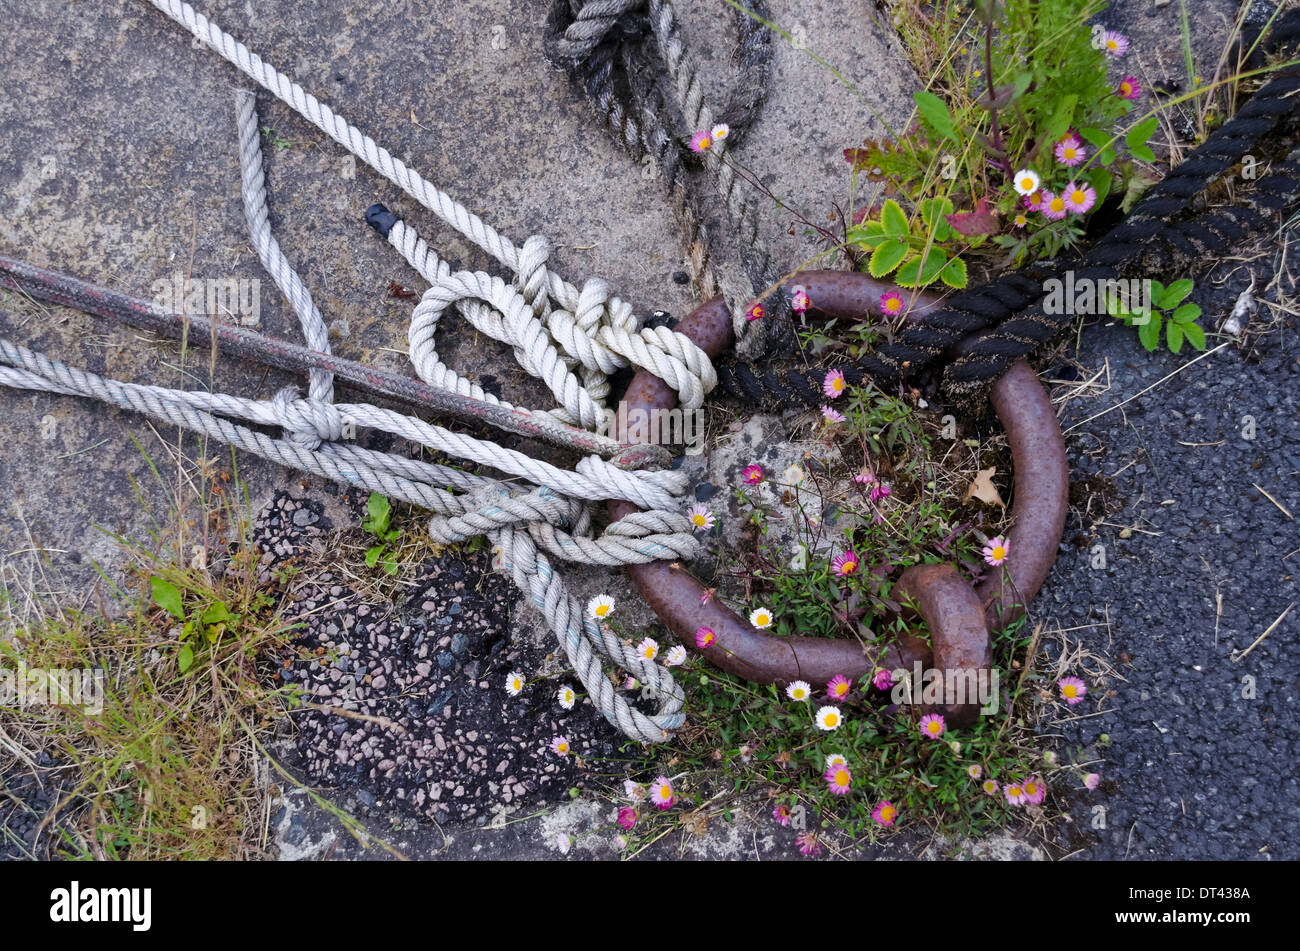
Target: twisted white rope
592 307
572 348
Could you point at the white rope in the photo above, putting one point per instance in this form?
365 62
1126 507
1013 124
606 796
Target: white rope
571 347
592 308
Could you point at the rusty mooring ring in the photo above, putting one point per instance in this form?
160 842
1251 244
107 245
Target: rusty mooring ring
959 617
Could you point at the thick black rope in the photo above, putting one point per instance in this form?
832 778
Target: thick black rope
999 322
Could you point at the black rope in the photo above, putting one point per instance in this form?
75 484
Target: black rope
998 323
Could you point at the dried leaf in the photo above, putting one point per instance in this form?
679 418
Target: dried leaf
982 488
983 220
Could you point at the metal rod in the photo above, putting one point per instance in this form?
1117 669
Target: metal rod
202 330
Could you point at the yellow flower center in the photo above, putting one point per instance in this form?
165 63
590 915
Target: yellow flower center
841 689
849 567
1077 196
763 620
665 792
1069 690
1021 219
933 727
1112 45
602 610
841 777
799 693
562 747
837 384
1069 152
999 553
1027 184
1058 204
832 719
1030 789
698 520
1125 88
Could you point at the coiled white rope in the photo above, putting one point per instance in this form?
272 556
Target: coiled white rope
572 347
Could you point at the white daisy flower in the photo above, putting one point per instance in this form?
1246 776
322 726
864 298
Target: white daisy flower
514 683
829 718
835 759
1026 181
799 690
566 696
648 649
761 618
675 657
600 607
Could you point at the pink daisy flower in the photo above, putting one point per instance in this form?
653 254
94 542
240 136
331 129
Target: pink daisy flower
884 813
932 725
838 778
831 416
1015 793
891 303
1092 781
1034 200
781 814
755 312
1114 44
1073 689
990 786
560 746
1034 790
626 817
1053 206
808 844
700 516
800 301
704 637
1079 198
1128 88
975 771
845 563
1070 151
838 687
834 383
752 474
995 552
883 680
1020 220
701 141
661 793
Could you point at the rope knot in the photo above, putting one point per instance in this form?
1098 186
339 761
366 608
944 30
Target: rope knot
306 423
531 276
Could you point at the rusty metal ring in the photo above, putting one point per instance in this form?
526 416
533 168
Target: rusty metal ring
959 617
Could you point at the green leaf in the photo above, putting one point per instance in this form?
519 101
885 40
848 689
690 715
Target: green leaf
215 613
167 596
1137 138
1059 124
936 115
954 273
185 659
390 565
1175 335
1149 333
1100 179
887 257
372 555
1140 133
1174 294
1094 137
908 273
915 274
378 507
894 220
1186 314
1195 335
